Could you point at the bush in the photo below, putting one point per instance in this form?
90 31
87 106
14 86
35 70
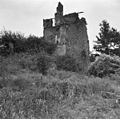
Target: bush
24 44
104 65
17 39
49 47
66 63
33 43
39 44
43 63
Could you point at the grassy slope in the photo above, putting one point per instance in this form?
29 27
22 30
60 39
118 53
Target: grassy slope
27 94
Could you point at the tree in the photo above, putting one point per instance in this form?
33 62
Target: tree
108 41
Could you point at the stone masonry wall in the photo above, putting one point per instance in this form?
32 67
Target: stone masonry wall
71 37
77 44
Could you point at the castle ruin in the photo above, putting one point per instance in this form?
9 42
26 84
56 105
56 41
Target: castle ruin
69 32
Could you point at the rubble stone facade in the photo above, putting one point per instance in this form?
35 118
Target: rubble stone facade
70 35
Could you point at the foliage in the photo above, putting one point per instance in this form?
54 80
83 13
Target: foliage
17 39
24 44
39 44
108 41
92 57
66 63
49 47
104 65
43 63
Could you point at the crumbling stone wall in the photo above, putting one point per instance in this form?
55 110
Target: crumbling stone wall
70 34
77 44
49 34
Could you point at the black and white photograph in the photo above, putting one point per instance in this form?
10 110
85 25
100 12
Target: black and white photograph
59 59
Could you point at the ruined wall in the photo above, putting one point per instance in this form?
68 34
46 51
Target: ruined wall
72 40
71 18
70 35
77 44
47 23
50 33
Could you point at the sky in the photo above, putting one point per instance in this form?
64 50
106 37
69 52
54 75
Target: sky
26 16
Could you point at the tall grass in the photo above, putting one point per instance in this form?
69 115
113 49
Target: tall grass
56 99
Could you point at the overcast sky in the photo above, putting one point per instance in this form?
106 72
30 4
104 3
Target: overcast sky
26 16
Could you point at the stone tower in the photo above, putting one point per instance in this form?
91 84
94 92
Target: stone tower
59 14
70 34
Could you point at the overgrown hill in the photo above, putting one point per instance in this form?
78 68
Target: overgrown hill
36 84
29 91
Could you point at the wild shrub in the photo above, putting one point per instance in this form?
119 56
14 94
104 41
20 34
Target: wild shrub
39 62
24 44
49 47
17 39
38 43
104 65
28 61
34 44
43 63
66 63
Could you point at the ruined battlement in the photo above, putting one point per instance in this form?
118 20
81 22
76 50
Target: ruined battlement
69 32
61 20
47 23
71 18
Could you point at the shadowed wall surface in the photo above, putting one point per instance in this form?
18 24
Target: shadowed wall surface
70 34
